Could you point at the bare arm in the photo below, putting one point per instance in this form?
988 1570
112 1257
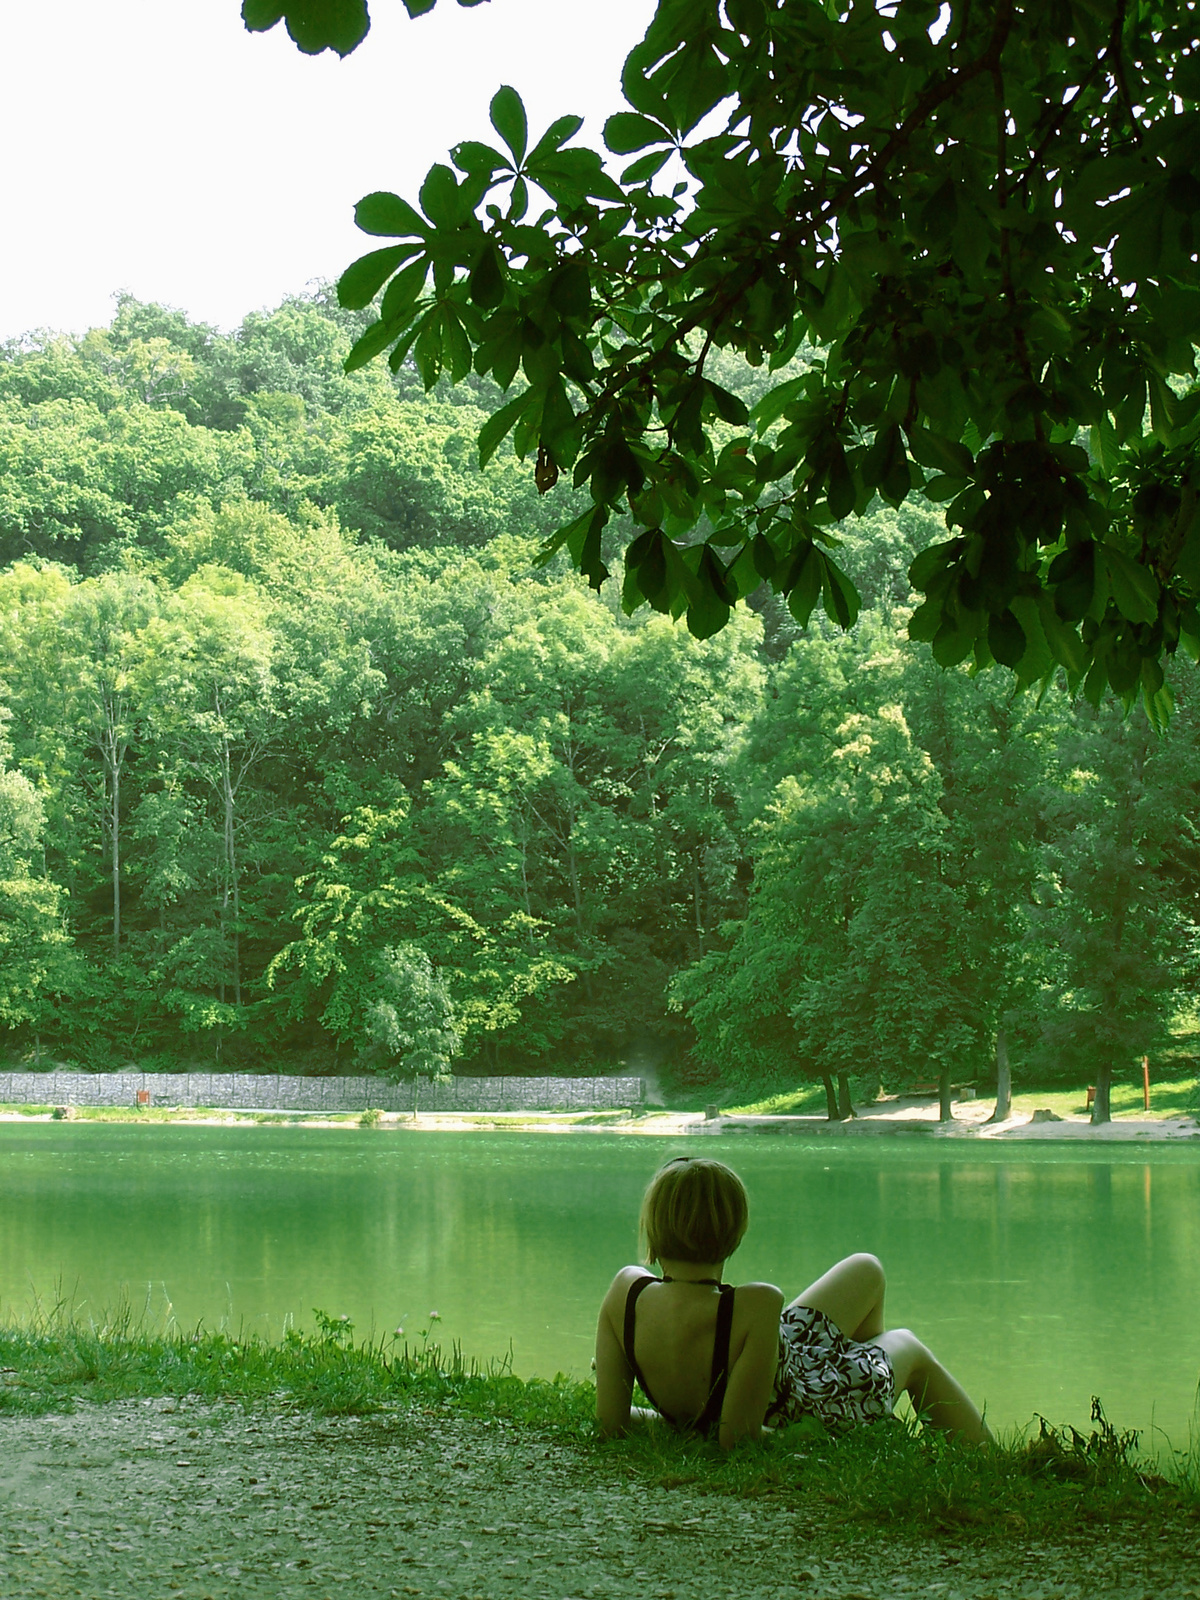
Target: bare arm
753 1373
614 1380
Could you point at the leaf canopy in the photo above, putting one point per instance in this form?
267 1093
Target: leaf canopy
965 236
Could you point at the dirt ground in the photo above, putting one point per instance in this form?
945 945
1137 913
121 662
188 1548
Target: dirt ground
153 1500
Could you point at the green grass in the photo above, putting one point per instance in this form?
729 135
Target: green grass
1177 1096
56 1359
1173 1097
893 1475
806 1100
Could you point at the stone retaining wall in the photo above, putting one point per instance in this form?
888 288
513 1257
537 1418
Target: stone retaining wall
279 1092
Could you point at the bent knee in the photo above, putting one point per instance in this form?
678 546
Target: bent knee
908 1355
869 1269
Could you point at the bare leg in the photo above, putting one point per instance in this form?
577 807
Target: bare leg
936 1396
850 1295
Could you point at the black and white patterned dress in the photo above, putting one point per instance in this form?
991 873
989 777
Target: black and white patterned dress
823 1374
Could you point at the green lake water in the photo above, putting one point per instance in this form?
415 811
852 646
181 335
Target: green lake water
1042 1274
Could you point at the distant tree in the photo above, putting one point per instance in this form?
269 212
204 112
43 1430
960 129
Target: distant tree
83 485
368 892
411 1024
1117 946
105 683
36 968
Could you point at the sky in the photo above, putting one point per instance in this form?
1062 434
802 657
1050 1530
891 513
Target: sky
155 146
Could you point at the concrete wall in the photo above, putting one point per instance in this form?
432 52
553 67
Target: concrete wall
277 1092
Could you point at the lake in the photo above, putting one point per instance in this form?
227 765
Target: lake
1041 1274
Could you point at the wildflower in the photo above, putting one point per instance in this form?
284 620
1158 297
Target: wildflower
399 1333
435 1316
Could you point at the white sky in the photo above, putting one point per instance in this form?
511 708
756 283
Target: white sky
156 146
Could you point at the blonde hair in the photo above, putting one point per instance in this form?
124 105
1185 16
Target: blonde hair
694 1210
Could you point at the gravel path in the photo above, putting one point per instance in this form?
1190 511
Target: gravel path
152 1500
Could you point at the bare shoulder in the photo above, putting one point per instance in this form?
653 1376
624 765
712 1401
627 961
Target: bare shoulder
760 1299
619 1287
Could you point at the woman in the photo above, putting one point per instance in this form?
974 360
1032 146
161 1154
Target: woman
713 1359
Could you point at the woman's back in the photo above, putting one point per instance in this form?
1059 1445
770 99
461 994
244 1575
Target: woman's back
674 1329
671 1332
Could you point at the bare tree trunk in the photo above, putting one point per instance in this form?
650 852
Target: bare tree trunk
115 827
232 888
831 1100
573 874
945 1108
1102 1104
524 846
112 744
1003 1079
845 1104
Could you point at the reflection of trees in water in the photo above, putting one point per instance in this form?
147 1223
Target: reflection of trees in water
1100 1177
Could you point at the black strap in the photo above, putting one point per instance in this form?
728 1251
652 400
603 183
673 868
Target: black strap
631 1300
711 1415
719 1378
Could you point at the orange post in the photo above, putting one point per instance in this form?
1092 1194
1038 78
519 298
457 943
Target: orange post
1146 1083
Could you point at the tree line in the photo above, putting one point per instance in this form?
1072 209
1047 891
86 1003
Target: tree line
305 757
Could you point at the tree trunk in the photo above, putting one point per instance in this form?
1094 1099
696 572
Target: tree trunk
113 745
573 874
115 827
1101 1105
845 1104
832 1109
945 1109
697 904
233 888
1003 1080
524 847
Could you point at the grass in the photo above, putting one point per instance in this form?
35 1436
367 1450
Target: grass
893 1475
806 1100
1173 1097
1177 1096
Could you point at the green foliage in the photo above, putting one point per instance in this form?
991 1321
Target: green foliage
938 864
412 1023
1109 906
316 25
269 728
978 222
35 957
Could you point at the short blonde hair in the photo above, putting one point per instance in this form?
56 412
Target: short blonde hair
694 1210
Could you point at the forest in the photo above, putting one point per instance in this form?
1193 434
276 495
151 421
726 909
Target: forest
311 756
